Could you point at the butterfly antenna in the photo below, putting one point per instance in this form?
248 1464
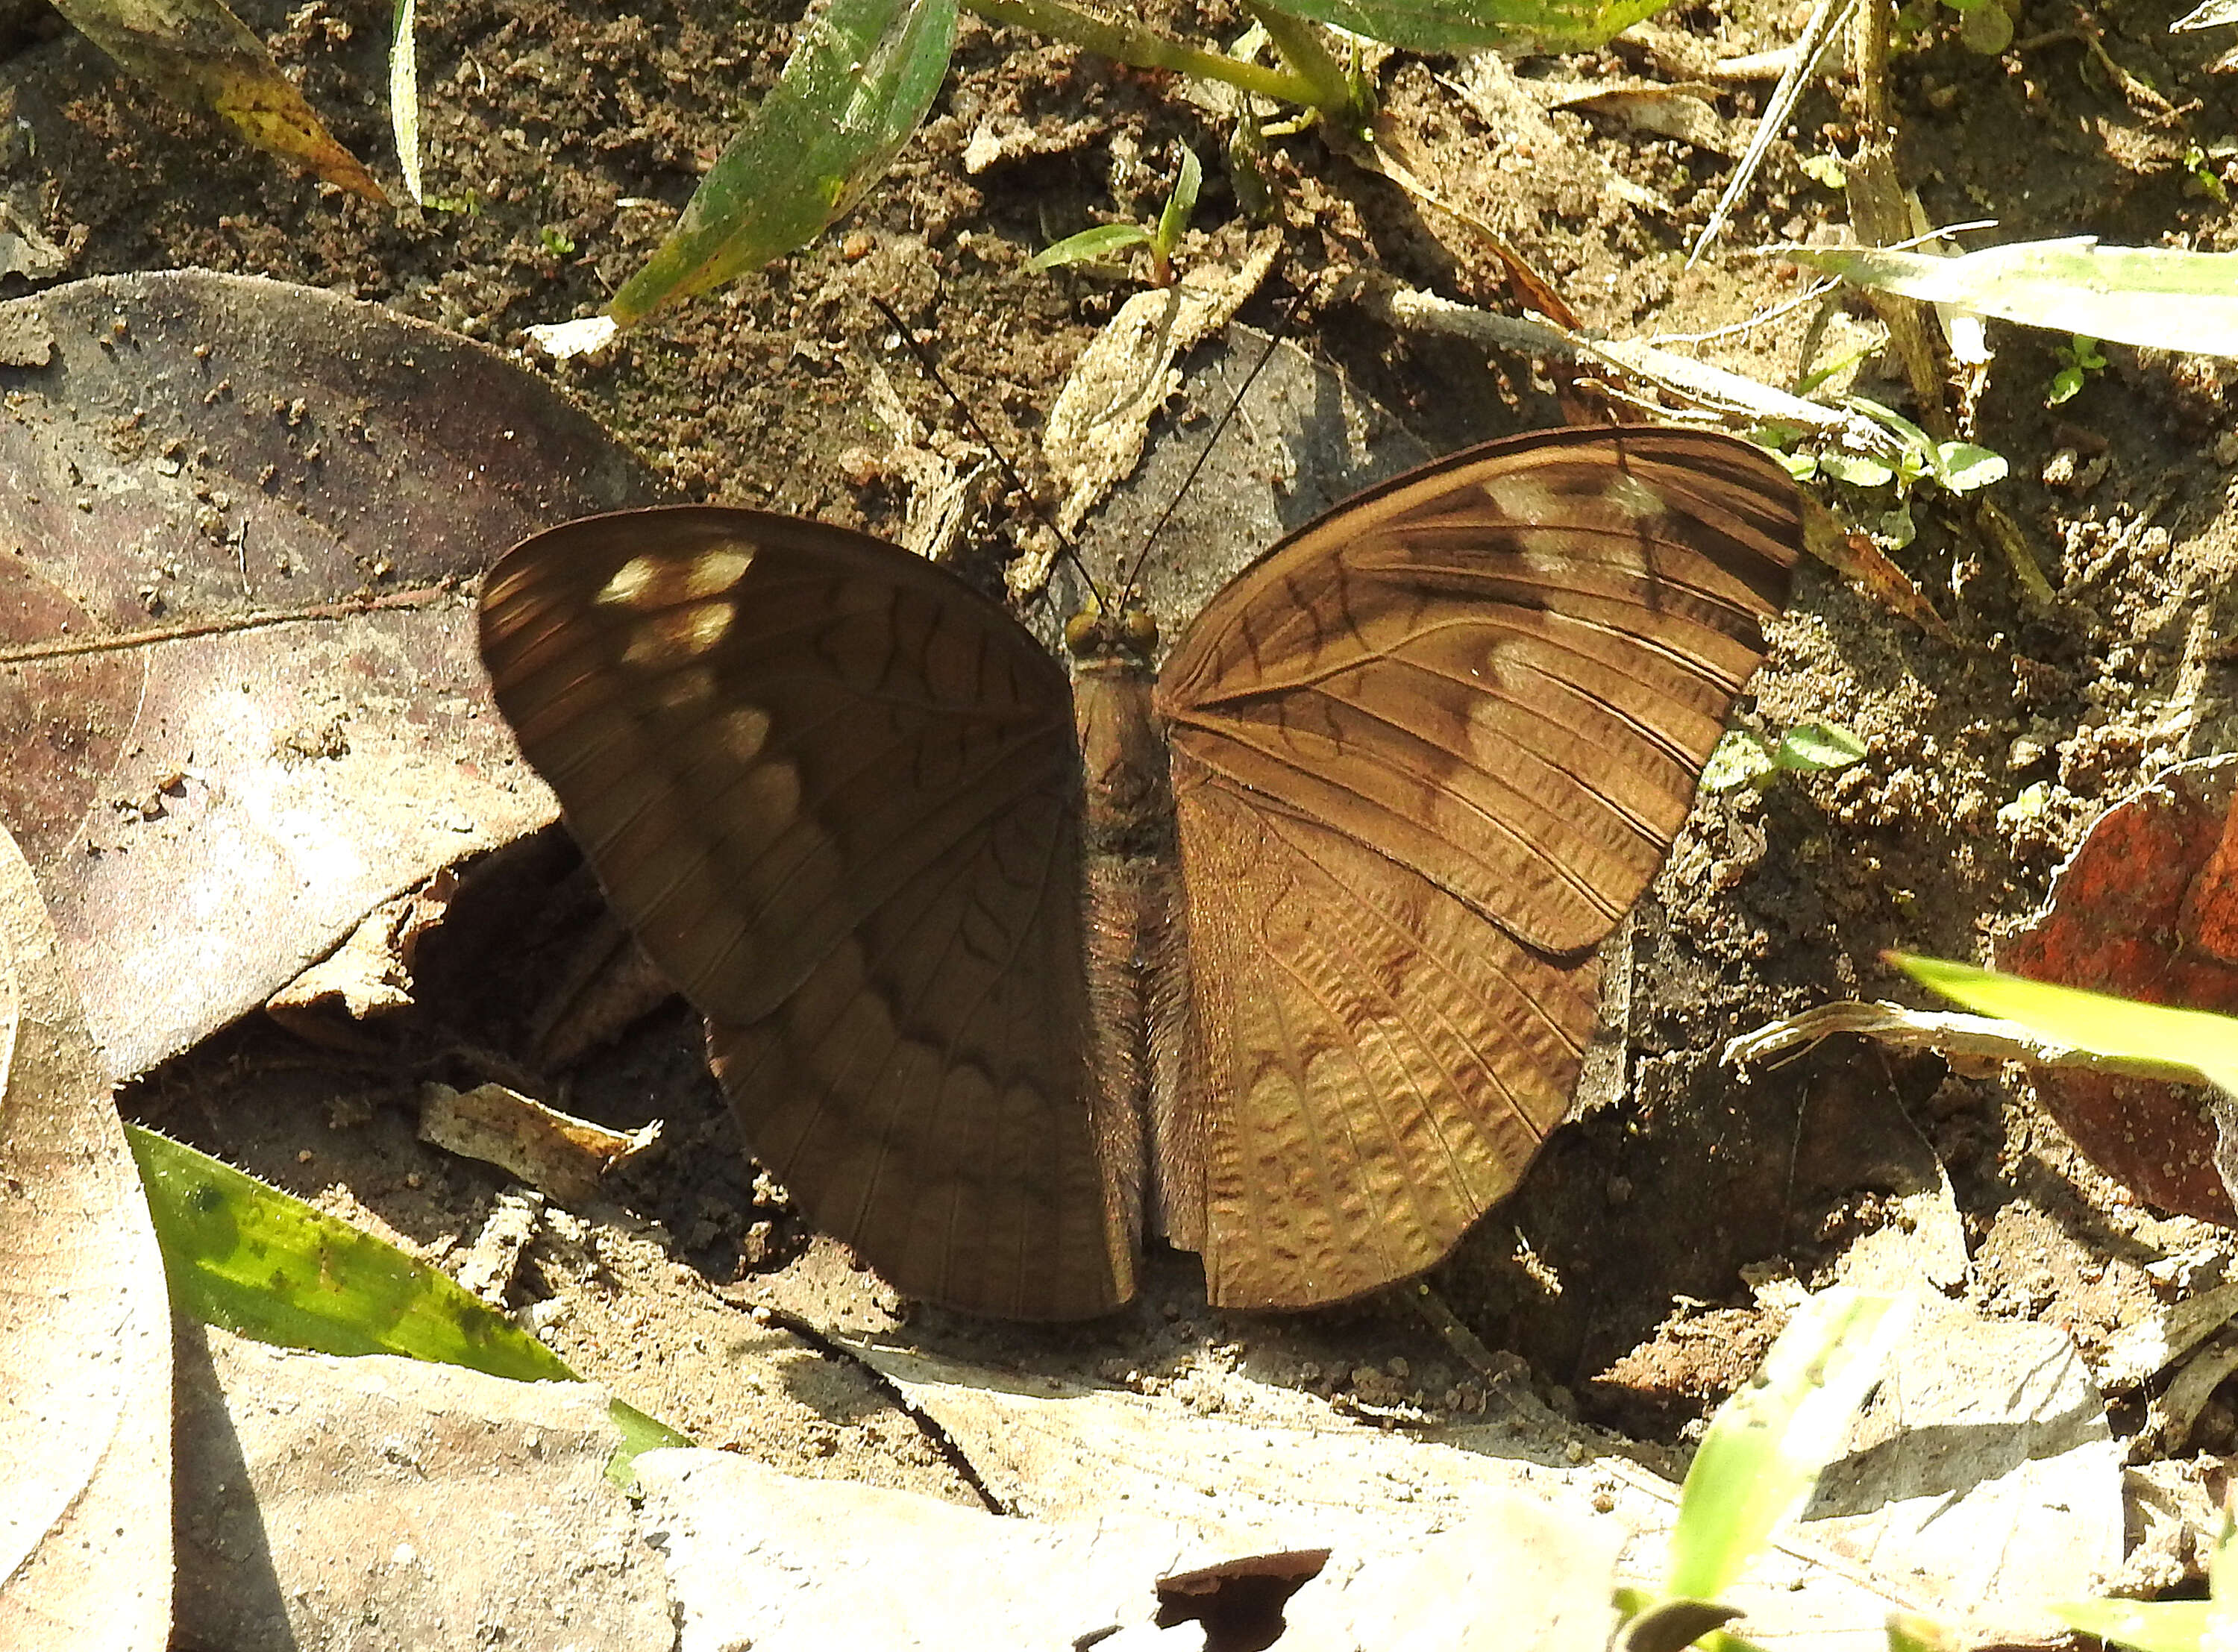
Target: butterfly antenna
1281 331
931 369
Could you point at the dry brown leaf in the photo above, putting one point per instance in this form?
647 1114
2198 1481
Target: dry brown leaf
85 1379
198 53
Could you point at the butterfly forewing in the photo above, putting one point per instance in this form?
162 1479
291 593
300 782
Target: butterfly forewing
837 796
1455 723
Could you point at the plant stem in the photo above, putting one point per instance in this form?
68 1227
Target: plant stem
1301 49
1144 50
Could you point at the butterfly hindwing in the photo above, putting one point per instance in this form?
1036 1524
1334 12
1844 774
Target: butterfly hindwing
836 795
1427 753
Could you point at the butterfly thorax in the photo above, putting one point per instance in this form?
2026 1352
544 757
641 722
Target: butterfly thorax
1129 805
1137 923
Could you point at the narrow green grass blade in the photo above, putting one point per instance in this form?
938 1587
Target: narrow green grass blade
2163 297
251 1259
1181 206
1466 25
2090 1021
1766 1444
2149 1626
1088 245
404 94
859 83
262 1264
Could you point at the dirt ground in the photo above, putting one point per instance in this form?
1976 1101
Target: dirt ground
567 135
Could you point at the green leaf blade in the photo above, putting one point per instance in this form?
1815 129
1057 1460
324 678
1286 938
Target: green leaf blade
1090 246
857 86
2160 297
250 1258
2088 1020
1766 1445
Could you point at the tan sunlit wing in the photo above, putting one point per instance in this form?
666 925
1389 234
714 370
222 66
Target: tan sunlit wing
837 797
1426 753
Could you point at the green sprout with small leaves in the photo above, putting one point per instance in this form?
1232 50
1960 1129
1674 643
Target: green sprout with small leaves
1745 758
2078 359
558 242
1106 240
1916 458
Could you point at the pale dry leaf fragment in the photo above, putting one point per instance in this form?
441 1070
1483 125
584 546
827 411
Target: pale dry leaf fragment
1982 1477
551 1150
85 1323
1681 112
2143 1349
386 1502
1101 418
197 52
369 974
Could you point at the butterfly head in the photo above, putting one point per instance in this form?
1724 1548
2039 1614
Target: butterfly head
1093 634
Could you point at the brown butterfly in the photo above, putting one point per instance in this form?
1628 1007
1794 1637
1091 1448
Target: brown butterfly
1286 953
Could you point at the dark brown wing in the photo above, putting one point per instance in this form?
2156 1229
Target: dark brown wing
837 794
1427 753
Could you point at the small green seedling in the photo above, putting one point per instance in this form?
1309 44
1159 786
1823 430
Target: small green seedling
1762 1456
1107 240
558 242
1827 169
2205 180
1745 758
863 73
2078 359
1957 467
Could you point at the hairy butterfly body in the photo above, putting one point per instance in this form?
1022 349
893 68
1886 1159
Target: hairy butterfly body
1286 953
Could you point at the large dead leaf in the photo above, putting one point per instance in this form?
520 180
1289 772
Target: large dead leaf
238 684
2147 907
85 1327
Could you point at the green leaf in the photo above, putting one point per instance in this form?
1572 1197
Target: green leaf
1466 25
1090 245
1813 747
263 1264
1986 29
859 80
1766 1445
250 1258
1962 467
1825 168
1856 469
2064 385
2149 1626
1738 759
1181 206
2088 1020
2161 297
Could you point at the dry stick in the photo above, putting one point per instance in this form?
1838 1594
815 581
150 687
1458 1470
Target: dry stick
1982 1038
1822 28
1713 390
263 619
